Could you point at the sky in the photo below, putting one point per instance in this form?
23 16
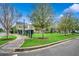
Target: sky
57 8
27 8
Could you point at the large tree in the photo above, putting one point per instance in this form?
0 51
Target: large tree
76 24
42 17
8 17
66 23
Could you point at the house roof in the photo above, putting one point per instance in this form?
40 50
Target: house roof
22 23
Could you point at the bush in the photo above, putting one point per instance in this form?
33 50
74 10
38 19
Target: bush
1 30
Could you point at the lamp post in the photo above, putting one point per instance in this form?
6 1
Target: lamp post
23 27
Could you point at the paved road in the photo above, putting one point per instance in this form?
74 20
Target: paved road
69 48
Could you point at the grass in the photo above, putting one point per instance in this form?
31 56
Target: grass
52 37
3 39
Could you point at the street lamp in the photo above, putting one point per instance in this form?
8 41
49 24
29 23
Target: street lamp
23 26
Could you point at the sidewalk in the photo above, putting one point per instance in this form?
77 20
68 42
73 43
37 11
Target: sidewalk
15 43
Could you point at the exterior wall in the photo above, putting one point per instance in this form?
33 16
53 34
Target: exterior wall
27 27
24 29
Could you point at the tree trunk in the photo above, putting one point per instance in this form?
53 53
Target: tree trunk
42 34
65 32
7 33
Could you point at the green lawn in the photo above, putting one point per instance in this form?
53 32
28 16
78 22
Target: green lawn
54 37
3 39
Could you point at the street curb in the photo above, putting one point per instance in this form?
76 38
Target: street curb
41 46
22 42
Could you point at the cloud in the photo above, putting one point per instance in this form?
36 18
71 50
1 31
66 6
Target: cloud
74 8
57 18
24 18
61 15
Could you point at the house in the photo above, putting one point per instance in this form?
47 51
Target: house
24 28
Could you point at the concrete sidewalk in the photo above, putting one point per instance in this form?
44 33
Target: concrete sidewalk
15 43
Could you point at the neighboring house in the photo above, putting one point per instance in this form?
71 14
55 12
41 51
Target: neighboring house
24 28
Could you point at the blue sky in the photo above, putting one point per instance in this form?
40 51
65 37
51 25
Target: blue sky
27 8
58 9
24 8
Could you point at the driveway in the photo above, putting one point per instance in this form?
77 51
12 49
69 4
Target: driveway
69 48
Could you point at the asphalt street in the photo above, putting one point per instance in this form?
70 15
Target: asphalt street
68 48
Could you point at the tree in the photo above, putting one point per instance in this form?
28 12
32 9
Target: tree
76 24
66 23
42 18
8 17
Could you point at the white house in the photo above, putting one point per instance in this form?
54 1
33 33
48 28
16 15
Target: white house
23 28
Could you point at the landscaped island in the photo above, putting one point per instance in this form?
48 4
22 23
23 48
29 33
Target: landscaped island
3 39
51 38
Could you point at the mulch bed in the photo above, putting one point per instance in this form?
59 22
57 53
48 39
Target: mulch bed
40 38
